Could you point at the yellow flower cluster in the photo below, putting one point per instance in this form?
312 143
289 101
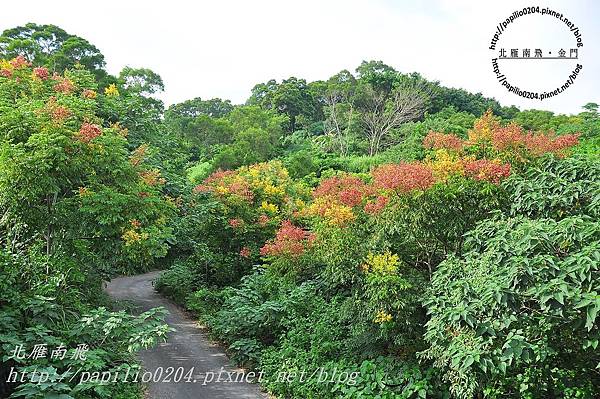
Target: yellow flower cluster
221 190
339 215
5 64
382 317
111 91
269 178
269 208
121 131
299 204
131 237
333 212
484 127
385 263
445 165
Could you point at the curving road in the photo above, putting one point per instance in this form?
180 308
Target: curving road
187 347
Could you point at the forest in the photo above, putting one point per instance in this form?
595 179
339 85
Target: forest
427 241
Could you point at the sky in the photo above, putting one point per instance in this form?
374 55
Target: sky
223 48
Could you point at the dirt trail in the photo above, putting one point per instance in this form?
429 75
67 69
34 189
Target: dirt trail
187 347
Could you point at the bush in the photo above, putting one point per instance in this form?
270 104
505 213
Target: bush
313 339
516 315
424 227
556 189
43 301
254 314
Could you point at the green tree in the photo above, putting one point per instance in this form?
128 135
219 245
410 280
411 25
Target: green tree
292 97
66 177
52 47
142 81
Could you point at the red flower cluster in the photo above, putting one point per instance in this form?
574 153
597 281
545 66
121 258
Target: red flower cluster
538 144
19 62
508 137
348 190
289 241
375 207
64 85
88 132
437 141
236 223
512 137
41 73
7 73
201 188
242 190
263 220
403 177
489 170
218 175
245 252
60 113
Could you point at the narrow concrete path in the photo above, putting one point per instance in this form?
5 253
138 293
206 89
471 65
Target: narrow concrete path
187 347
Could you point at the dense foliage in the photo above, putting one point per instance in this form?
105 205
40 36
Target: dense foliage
77 207
382 234
364 271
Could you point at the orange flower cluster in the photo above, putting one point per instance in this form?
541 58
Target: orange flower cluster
506 140
488 170
19 62
376 206
226 182
41 73
152 177
538 144
89 94
483 128
88 132
136 224
403 177
7 68
236 223
436 141
336 199
245 252
290 240
58 113
263 220
514 138
63 85
138 155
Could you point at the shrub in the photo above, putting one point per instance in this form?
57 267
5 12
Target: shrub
556 189
424 227
516 315
254 314
44 300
